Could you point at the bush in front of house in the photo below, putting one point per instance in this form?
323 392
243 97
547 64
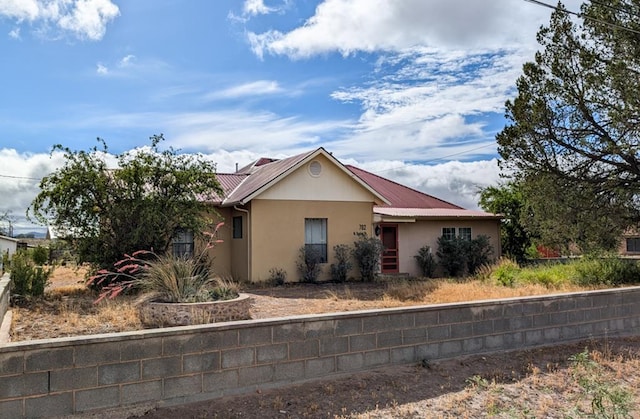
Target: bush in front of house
309 264
367 252
452 255
458 256
340 269
479 253
40 255
28 279
426 261
277 276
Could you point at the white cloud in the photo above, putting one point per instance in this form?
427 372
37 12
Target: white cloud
454 181
349 26
101 69
260 132
255 88
85 19
131 66
127 60
256 7
20 178
15 33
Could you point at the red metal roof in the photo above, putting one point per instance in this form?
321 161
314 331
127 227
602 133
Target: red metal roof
399 195
432 212
229 182
403 201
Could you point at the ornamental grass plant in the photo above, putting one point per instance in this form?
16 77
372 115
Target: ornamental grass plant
168 278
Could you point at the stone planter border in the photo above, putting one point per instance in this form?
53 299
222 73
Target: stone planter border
157 314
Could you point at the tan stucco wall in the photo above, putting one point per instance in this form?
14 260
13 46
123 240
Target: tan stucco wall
277 232
220 255
332 184
412 236
239 247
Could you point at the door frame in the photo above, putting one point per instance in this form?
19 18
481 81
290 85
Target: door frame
395 256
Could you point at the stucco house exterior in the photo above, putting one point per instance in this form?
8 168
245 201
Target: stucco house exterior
272 208
8 246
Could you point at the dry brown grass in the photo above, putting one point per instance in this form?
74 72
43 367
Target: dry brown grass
69 308
70 311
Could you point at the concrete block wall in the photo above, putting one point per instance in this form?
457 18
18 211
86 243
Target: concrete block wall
185 364
5 283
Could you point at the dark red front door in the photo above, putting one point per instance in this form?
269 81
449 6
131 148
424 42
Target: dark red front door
390 254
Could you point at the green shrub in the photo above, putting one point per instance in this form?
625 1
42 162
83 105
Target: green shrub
426 261
277 276
40 255
550 276
505 272
309 264
479 252
608 271
452 255
343 265
6 262
28 279
367 252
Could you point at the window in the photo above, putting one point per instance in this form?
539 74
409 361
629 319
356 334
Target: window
633 244
448 233
464 233
315 237
237 227
183 243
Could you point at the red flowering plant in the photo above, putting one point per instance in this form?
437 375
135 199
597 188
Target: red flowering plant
167 278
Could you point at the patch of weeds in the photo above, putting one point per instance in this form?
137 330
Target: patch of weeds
477 382
607 399
277 276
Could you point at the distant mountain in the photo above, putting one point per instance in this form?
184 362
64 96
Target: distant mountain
32 235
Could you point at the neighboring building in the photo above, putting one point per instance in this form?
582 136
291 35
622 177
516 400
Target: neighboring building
272 208
8 245
630 244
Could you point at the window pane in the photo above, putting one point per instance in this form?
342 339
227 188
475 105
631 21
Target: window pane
237 227
464 233
183 243
315 237
449 233
633 244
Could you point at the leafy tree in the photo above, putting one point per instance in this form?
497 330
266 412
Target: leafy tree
508 200
141 205
575 122
6 224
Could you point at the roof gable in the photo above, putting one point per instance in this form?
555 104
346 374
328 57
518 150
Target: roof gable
267 174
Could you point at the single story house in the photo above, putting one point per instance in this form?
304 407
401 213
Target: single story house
273 208
8 246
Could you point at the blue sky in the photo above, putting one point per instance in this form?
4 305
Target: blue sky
411 89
